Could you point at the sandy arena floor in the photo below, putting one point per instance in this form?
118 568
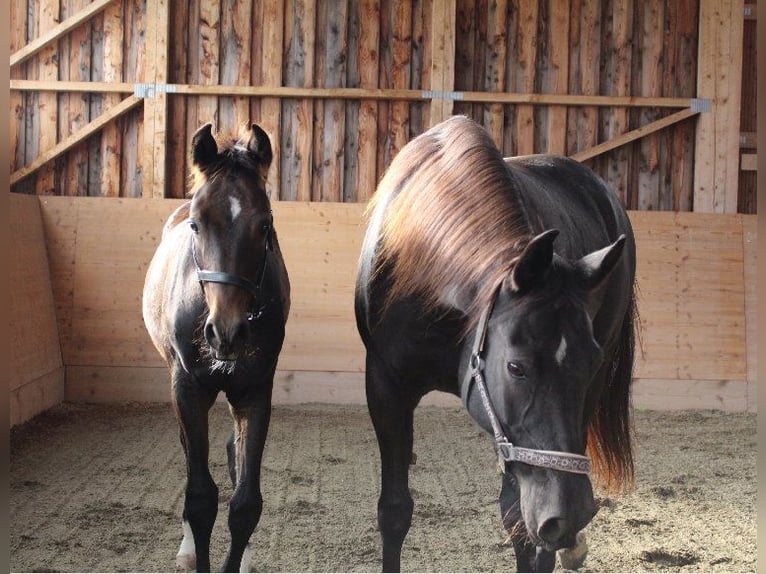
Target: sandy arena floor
99 488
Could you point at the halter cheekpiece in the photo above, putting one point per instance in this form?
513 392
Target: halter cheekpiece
258 306
506 451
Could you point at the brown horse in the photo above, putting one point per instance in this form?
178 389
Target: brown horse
215 303
508 283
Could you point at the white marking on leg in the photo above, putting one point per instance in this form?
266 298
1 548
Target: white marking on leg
247 556
186 559
561 352
236 208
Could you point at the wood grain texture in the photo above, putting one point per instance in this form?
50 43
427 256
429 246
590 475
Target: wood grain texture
692 277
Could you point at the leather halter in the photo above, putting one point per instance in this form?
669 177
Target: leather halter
506 451
256 290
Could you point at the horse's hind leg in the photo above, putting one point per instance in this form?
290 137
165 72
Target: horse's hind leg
392 420
246 505
201 497
529 558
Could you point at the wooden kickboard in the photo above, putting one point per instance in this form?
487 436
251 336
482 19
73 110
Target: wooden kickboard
691 279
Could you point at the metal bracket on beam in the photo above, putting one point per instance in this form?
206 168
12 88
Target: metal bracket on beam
437 95
151 90
701 105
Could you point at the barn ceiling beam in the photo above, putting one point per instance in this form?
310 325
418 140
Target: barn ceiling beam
58 31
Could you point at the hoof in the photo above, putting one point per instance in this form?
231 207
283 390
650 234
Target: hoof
247 556
186 562
574 557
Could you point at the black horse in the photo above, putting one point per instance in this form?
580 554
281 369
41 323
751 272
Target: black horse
508 282
215 303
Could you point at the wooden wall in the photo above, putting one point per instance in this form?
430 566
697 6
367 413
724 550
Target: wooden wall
341 86
696 292
36 370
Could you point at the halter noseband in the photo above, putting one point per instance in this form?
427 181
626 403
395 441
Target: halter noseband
256 291
506 451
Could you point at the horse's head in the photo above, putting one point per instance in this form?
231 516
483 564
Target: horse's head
540 360
231 223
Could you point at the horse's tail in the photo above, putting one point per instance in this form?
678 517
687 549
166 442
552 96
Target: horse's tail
610 433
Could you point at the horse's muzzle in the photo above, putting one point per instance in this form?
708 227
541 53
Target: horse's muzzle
226 342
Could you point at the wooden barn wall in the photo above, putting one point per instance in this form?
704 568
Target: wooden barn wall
335 150
696 297
36 369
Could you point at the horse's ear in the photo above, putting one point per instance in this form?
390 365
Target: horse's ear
204 149
596 267
533 264
259 145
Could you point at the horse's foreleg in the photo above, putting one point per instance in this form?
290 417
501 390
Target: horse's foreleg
201 496
529 558
392 421
246 505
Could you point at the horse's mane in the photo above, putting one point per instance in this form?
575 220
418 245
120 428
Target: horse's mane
451 216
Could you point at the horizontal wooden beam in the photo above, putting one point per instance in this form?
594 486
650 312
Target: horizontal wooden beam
353 94
634 135
81 134
58 31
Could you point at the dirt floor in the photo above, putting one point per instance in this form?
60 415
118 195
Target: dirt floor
99 488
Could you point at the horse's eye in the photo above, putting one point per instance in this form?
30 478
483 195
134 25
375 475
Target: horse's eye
516 370
194 226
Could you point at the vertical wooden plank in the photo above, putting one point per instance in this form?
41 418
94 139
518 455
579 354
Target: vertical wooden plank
209 48
585 48
525 73
178 68
17 40
719 78
465 54
193 118
48 16
351 120
400 73
651 22
334 110
421 17
133 125
75 65
384 82
369 38
679 80
617 19
320 70
270 57
111 140
442 58
154 156
747 196
556 76
495 72
297 116
329 124
235 66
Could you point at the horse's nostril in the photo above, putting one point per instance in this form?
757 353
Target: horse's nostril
552 530
210 334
